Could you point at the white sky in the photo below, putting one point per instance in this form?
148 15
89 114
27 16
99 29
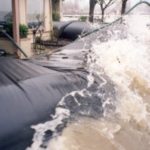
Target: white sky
82 3
6 4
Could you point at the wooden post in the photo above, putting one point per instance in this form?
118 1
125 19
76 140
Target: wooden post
23 12
48 25
15 12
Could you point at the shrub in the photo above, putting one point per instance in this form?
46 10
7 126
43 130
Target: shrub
83 18
9 28
23 30
56 16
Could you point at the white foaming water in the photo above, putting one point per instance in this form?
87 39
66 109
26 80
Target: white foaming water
126 61
61 113
40 129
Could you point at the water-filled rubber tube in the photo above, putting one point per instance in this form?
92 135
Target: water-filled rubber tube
30 90
28 95
71 30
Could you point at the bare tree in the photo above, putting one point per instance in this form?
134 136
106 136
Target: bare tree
56 6
104 4
123 6
91 10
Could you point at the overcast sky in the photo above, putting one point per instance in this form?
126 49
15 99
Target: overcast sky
82 3
5 5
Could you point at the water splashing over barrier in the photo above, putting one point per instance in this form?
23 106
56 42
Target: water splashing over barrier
118 120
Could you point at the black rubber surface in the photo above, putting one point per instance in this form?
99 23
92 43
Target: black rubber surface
71 30
30 90
28 95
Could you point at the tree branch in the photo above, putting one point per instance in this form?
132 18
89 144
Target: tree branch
110 2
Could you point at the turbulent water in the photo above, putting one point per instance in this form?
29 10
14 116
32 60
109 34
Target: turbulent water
124 57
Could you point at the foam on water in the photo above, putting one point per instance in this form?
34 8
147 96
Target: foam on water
126 61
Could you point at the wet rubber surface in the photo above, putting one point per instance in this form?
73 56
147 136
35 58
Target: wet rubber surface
30 90
72 29
28 95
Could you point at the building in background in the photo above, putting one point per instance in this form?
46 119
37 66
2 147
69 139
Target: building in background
23 12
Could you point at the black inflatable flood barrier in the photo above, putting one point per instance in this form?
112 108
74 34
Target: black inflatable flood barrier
30 90
71 30
28 95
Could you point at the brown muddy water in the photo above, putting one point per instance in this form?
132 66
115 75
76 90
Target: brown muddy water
89 134
126 61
